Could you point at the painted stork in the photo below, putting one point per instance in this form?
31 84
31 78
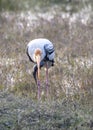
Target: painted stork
41 52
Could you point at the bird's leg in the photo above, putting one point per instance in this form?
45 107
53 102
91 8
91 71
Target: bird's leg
35 75
47 85
38 85
38 58
39 91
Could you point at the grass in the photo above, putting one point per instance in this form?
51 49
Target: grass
24 113
66 6
69 106
72 72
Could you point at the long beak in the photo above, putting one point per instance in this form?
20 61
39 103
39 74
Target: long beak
42 63
38 65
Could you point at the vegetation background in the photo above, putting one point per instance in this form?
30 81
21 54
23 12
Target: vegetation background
69 25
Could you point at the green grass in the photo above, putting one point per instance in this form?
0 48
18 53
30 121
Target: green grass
24 113
16 5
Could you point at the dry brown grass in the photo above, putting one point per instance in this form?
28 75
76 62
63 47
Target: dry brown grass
70 103
73 43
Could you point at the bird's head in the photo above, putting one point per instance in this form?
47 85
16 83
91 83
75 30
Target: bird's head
37 54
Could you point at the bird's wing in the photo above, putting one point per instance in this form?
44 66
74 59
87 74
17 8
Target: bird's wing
49 48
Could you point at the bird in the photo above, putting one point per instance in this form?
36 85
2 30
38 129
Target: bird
41 52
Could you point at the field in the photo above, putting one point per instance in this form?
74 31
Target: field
70 102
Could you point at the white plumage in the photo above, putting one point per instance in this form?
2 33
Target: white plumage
40 43
41 52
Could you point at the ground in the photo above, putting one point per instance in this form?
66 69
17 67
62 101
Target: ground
23 113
